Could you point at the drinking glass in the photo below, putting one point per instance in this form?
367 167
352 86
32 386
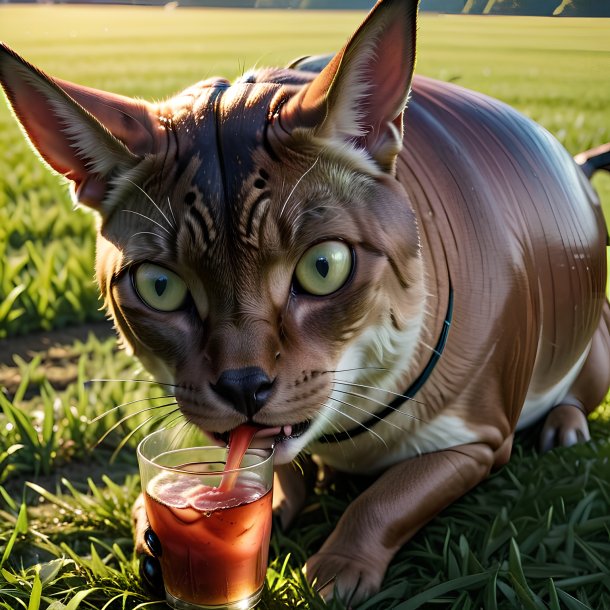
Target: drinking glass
214 525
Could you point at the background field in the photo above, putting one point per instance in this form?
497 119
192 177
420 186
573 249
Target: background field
541 533
553 70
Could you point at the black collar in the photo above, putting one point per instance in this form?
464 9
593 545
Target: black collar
409 393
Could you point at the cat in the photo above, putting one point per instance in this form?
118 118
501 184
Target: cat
276 250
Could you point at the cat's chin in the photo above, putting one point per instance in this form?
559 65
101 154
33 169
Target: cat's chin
288 446
286 451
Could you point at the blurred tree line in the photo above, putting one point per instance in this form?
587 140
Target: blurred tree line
563 8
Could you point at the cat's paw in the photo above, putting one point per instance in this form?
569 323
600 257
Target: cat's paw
350 579
286 506
150 567
148 549
565 425
290 488
140 526
285 511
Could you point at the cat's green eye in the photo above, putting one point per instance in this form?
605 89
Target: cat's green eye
324 268
160 288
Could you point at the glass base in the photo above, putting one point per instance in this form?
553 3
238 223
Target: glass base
244 604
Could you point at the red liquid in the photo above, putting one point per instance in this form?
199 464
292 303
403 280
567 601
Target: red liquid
215 543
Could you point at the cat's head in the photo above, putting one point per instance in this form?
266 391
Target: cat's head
254 247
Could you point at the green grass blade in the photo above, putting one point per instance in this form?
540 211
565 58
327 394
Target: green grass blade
553 598
75 602
9 300
34 603
10 502
21 527
457 584
571 603
47 495
529 599
491 600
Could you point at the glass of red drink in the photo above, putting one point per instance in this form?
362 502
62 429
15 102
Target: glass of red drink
214 524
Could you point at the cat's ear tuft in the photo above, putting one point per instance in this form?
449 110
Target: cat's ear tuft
360 96
84 134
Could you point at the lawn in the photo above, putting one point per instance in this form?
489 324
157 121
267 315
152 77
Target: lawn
535 535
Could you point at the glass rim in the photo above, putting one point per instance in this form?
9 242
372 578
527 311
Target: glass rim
150 462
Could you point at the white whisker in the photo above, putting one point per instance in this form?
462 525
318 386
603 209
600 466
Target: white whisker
170 422
169 203
173 385
335 425
295 187
150 219
377 402
294 208
370 387
129 416
432 349
145 233
183 430
357 422
152 201
349 404
153 418
125 404
359 368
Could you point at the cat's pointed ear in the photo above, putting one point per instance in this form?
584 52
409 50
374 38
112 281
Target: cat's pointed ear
83 134
361 94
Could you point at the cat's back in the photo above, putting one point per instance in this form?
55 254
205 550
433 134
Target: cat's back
508 216
500 164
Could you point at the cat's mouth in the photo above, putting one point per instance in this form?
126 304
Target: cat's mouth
277 434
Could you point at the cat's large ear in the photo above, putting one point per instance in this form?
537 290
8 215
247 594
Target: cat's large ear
361 94
83 134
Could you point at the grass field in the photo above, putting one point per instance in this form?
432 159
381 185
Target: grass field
536 535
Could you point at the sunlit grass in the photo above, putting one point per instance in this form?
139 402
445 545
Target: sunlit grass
535 535
553 70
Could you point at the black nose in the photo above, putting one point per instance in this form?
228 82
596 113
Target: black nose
246 389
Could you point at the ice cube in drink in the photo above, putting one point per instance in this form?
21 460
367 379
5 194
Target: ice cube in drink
215 541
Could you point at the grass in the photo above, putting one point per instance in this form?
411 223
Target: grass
535 535
553 70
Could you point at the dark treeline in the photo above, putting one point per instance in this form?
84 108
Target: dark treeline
562 8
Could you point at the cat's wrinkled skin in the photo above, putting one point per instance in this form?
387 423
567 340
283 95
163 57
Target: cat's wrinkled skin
229 186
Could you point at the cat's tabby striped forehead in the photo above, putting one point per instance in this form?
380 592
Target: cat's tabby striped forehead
221 180
253 226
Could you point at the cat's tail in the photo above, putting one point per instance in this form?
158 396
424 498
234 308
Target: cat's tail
594 159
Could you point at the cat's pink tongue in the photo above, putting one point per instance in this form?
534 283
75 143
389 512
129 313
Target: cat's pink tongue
239 441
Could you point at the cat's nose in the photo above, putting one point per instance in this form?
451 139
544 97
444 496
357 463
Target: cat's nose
247 389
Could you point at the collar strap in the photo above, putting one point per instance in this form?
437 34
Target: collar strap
408 394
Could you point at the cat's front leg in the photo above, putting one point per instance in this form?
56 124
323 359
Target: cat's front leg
291 485
352 562
148 549
140 525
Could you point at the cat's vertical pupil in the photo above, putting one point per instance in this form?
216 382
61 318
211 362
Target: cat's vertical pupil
322 266
160 285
